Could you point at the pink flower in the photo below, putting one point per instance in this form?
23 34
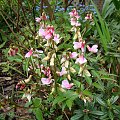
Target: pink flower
66 84
82 46
77 24
77 45
56 38
63 72
46 81
37 19
81 60
29 53
74 13
46 71
49 32
48 36
41 32
50 29
46 33
88 17
73 55
13 51
74 22
93 48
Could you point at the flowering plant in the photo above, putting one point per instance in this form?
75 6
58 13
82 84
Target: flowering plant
62 65
61 71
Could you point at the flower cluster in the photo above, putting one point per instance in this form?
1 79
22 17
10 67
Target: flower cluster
74 18
47 73
79 44
49 33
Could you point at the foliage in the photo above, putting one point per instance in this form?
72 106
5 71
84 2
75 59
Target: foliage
67 60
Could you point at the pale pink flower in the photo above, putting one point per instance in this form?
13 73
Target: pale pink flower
77 24
48 36
49 32
39 51
81 60
29 53
41 32
73 21
46 81
46 71
50 29
37 19
77 45
66 84
63 71
88 17
93 48
74 13
73 55
56 38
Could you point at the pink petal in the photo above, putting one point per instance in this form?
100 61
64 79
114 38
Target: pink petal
74 13
48 36
77 24
56 38
73 21
46 81
29 53
73 55
77 45
93 48
41 32
37 19
81 60
66 84
63 72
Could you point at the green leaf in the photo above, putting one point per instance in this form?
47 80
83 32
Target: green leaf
111 116
97 85
65 46
38 114
88 80
69 103
15 59
100 101
2 45
36 102
97 113
95 74
28 104
87 92
76 117
117 4
102 29
17 70
59 99
114 99
77 83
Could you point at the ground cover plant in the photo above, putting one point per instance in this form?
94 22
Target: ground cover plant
63 62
